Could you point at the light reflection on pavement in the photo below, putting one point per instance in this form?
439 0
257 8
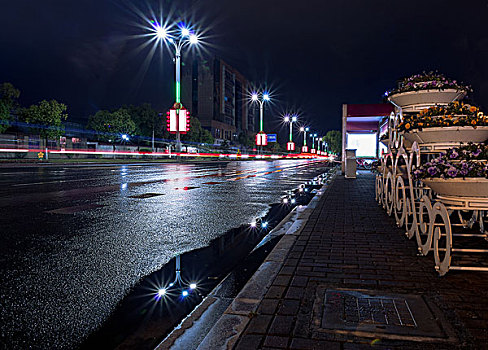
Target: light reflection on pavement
76 239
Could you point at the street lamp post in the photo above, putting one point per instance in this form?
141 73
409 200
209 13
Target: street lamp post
314 136
261 138
185 37
290 146
304 130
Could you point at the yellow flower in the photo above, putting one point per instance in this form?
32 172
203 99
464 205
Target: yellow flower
407 126
473 122
472 109
456 103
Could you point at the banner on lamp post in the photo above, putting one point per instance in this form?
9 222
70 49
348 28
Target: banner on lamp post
178 120
261 139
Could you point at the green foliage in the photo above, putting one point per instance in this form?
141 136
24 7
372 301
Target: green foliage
334 141
197 133
225 145
8 101
274 147
245 140
111 125
146 120
48 115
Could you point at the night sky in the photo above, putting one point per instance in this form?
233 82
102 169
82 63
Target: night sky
314 55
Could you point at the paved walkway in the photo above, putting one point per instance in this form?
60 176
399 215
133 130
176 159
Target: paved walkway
349 243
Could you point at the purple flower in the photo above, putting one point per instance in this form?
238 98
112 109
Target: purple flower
476 153
453 154
452 171
432 170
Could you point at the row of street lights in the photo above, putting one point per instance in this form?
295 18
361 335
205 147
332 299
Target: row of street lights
182 36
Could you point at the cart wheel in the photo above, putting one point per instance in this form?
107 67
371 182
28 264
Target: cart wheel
425 228
442 240
400 202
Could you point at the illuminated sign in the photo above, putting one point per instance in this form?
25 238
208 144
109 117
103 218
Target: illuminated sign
290 146
261 139
178 121
271 137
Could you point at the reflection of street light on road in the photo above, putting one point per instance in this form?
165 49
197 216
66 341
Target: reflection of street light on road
178 40
164 291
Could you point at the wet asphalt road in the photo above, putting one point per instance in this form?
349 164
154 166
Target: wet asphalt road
75 239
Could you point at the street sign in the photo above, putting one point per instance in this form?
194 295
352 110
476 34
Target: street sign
271 137
290 146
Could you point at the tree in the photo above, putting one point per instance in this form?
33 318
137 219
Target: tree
46 118
245 140
111 125
334 141
197 133
274 147
148 120
8 101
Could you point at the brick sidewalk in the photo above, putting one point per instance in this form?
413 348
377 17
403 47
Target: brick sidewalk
349 243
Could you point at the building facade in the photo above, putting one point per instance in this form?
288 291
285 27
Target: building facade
218 95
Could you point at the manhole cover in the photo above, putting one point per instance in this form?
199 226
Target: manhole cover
145 195
379 313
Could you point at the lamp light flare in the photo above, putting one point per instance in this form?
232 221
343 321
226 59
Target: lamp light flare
161 33
293 201
294 118
253 224
184 293
193 286
266 96
285 200
193 39
264 224
286 119
302 129
254 97
185 32
162 292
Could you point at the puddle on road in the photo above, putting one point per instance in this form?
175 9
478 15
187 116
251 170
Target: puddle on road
186 188
146 195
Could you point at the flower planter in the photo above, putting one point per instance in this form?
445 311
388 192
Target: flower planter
412 101
467 187
450 134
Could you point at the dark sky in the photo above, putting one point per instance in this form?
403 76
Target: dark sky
313 54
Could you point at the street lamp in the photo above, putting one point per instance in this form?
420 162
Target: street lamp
313 136
261 137
183 38
304 130
290 146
